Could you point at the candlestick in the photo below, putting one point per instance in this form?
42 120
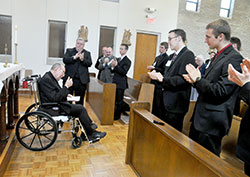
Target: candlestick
16 34
5 51
15 54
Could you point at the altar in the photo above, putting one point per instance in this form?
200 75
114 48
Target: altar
9 85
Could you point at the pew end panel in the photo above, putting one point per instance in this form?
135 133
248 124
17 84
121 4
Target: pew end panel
156 150
187 118
101 98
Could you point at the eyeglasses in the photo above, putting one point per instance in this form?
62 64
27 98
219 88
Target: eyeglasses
170 38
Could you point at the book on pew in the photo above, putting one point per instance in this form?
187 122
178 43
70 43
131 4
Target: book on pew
73 98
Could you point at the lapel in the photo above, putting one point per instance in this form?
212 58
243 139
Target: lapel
177 60
121 61
220 58
53 79
159 59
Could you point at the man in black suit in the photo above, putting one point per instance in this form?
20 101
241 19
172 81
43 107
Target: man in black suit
213 111
243 144
159 66
176 91
77 60
51 92
120 69
104 53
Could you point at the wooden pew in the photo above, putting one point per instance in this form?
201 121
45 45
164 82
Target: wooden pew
188 116
156 150
101 97
139 91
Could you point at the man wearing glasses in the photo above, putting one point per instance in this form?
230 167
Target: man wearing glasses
176 91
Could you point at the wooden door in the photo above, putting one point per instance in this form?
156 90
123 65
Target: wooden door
144 54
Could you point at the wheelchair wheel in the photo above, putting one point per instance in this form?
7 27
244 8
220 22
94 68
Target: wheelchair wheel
36 131
31 108
76 142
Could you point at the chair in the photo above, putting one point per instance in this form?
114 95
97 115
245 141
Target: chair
39 127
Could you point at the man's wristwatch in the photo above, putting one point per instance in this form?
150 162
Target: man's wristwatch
197 79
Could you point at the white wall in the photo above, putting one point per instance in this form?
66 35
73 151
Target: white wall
31 17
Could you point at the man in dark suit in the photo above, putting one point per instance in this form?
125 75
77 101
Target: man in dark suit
243 80
51 92
213 111
77 60
159 66
176 91
104 53
120 69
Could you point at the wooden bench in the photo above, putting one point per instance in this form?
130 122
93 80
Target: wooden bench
156 150
101 98
139 91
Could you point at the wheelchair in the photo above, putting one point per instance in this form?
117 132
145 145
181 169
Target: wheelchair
39 127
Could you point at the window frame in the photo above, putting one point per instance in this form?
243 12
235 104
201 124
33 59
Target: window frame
3 57
229 10
196 3
52 60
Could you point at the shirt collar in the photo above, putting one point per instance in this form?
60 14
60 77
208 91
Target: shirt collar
178 51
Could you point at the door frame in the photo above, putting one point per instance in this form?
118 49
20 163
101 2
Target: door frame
158 34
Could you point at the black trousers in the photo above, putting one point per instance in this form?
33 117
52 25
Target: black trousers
158 109
174 119
247 169
118 103
79 89
210 142
78 110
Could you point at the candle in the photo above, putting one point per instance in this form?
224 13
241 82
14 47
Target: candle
16 34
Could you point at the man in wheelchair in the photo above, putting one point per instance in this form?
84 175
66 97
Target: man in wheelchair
51 91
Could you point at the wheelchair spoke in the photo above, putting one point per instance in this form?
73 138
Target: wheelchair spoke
47 137
27 135
39 128
40 141
30 123
32 140
24 128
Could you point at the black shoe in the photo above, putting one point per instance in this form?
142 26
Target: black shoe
93 126
125 113
97 134
83 137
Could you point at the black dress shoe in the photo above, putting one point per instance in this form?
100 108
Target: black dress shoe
97 134
93 126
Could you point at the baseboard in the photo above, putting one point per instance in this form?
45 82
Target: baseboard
7 152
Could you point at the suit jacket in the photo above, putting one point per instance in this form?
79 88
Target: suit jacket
120 73
51 92
177 91
106 76
159 65
96 66
243 145
77 67
217 95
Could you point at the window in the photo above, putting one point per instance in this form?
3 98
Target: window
5 33
107 36
192 5
57 33
226 8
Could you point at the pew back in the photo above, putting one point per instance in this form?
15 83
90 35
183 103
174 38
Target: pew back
101 97
156 150
139 91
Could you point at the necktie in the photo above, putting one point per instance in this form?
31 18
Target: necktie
174 57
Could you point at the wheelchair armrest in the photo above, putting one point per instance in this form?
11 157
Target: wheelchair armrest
49 104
